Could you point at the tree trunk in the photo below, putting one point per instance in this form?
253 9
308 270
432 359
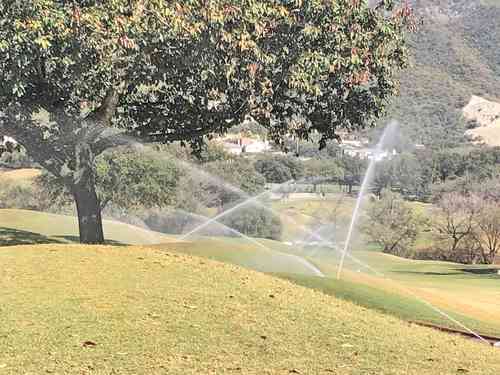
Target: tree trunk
89 214
84 192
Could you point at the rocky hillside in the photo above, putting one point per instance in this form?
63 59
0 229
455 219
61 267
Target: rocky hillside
455 55
486 116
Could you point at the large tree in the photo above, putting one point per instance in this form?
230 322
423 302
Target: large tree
183 70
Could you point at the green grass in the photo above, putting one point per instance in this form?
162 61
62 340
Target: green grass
24 227
468 293
464 291
491 3
128 310
406 307
243 253
21 227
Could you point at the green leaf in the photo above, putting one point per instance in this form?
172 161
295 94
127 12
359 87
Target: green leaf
43 42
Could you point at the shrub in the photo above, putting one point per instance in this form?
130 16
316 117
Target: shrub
255 222
19 195
280 169
15 159
393 224
239 173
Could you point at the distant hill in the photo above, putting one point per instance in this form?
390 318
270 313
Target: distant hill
455 55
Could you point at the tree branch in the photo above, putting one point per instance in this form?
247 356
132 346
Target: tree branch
105 112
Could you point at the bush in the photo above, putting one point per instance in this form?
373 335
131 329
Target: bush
236 173
255 222
124 178
15 159
280 169
19 195
171 222
393 224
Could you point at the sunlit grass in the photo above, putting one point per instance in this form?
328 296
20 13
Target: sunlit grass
453 287
24 227
469 293
128 310
20 175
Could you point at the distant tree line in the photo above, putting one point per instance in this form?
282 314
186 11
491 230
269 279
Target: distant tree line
462 228
424 175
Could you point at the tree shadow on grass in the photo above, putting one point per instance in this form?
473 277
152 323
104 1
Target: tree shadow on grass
481 271
466 273
12 237
428 273
76 239
15 237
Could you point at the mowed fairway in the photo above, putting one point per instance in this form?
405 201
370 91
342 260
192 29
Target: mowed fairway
70 309
470 294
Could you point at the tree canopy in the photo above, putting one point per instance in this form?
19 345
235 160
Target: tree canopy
77 76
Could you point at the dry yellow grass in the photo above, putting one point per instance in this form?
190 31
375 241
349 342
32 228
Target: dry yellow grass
146 311
20 174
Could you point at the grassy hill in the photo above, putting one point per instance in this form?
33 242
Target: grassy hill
23 226
270 257
404 287
31 227
487 116
20 175
131 310
467 293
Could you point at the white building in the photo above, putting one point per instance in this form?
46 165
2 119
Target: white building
367 153
239 145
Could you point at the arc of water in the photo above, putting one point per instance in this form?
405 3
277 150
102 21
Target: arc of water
354 216
345 252
364 186
376 272
434 308
306 263
321 239
249 199
228 211
442 313
315 233
334 223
